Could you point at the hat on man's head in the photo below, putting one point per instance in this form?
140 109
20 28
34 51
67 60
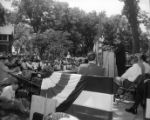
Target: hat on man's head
91 56
143 57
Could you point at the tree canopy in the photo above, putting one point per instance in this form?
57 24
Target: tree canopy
131 11
2 15
52 28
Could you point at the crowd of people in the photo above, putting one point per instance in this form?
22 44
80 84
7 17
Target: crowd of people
30 69
34 69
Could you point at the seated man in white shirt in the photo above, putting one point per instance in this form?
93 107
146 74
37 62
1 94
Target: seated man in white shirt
8 100
9 91
138 68
134 75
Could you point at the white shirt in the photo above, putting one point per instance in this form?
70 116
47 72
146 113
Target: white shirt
35 65
8 93
29 65
133 72
42 65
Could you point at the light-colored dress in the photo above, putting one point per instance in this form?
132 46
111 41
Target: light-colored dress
109 63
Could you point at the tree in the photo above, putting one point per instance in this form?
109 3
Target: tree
131 10
53 43
57 28
144 19
100 26
2 15
22 38
34 12
122 30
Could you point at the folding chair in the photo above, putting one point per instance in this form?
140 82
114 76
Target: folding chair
125 93
126 89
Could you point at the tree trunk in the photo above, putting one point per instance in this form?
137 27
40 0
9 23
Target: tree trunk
131 12
136 40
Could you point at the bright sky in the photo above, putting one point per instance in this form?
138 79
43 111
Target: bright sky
111 7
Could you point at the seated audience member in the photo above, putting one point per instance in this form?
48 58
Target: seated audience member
57 66
35 64
9 91
139 67
5 71
23 64
29 65
47 71
140 95
12 62
42 64
91 67
8 100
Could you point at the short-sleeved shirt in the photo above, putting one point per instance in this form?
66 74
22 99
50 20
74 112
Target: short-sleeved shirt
133 72
3 71
8 93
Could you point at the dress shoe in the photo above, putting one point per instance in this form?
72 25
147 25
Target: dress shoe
131 110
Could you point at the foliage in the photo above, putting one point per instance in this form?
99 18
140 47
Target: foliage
144 19
43 15
51 43
22 36
10 17
52 28
117 27
34 12
2 15
144 42
131 10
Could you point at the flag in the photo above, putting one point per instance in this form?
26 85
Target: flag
63 87
95 101
147 114
86 97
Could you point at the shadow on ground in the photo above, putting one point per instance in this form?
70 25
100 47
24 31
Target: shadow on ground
119 112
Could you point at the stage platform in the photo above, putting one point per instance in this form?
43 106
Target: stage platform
119 113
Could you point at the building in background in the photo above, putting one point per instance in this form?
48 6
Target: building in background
6 38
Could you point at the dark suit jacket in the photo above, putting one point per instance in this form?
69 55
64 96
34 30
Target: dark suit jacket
90 69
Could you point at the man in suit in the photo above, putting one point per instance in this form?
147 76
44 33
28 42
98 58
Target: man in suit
120 57
91 67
